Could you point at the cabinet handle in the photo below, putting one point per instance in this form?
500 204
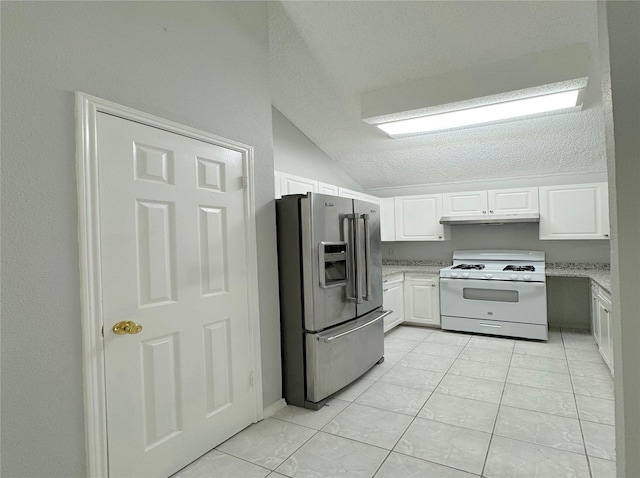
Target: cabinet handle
606 310
484 212
491 211
433 285
606 235
385 290
439 237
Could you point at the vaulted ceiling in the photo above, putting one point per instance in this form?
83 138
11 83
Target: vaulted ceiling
328 55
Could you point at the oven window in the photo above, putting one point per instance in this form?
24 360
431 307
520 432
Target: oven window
493 295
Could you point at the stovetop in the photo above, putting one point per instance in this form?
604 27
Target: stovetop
510 265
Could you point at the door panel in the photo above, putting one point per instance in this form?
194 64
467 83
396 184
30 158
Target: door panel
337 357
325 219
496 300
371 259
173 261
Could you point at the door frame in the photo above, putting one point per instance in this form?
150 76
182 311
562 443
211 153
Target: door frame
87 109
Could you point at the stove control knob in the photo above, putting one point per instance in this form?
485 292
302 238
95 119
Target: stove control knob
526 277
513 277
465 274
488 276
454 274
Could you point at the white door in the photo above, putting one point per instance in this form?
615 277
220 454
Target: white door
421 300
468 203
577 211
174 262
393 299
417 218
513 201
290 184
324 188
387 219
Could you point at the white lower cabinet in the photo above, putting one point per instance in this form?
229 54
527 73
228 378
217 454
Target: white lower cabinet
601 323
393 299
421 299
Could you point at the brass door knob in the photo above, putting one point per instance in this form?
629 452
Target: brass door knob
127 327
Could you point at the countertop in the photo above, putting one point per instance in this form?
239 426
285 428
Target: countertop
599 273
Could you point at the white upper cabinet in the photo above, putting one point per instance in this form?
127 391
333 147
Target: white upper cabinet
387 219
494 201
468 203
325 188
290 184
348 193
277 176
576 211
417 218
513 201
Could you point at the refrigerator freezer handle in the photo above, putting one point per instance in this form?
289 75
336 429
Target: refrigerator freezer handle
371 322
367 256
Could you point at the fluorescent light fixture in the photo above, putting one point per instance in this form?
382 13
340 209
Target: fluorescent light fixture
535 105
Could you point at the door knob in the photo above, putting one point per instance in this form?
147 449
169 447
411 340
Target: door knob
127 327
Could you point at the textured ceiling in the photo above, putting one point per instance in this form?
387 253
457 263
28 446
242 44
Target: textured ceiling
326 54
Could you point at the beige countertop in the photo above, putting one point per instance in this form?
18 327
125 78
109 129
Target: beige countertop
599 273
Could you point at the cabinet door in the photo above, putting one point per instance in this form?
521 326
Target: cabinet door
606 342
422 301
348 193
324 188
277 177
370 198
578 211
387 219
417 218
469 203
513 201
393 299
290 184
595 325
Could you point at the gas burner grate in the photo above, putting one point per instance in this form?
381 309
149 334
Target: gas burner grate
476 267
520 268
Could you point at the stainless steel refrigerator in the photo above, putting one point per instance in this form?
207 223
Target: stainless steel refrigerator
330 269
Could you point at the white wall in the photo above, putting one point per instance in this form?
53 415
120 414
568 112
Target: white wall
618 25
294 153
203 64
506 236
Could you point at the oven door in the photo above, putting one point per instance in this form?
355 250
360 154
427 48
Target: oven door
505 301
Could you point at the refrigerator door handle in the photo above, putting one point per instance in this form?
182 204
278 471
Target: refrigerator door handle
367 256
357 257
371 322
352 222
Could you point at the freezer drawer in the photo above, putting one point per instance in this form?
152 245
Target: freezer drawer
338 356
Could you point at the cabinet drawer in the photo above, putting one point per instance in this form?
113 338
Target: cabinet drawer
494 327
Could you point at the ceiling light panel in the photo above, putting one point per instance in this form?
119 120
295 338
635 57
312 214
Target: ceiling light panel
497 112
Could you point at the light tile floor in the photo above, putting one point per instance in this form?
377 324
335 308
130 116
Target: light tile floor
444 404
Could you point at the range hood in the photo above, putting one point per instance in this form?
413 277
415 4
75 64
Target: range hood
490 219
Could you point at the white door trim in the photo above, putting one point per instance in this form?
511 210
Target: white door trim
87 108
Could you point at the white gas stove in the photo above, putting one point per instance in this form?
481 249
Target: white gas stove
497 265
499 292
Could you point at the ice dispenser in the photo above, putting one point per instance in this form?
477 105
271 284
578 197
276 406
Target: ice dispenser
333 264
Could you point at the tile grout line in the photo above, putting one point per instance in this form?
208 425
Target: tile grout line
584 441
495 422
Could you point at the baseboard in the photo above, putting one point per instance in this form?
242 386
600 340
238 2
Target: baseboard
274 407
